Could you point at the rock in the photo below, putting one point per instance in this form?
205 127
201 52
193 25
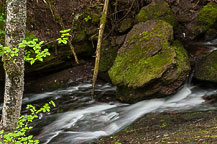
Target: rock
108 54
210 99
147 64
206 17
206 68
203 23
107 58
125 25
158 9
119 40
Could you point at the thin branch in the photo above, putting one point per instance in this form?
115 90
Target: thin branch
99 43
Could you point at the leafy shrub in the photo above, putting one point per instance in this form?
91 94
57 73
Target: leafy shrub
19 135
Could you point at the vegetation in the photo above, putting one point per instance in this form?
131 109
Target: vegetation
19 135
34 49
146 63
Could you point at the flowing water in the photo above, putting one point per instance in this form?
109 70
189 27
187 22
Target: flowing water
95 119
80 120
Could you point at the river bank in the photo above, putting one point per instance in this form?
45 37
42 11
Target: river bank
169 127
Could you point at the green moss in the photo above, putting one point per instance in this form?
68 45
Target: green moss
207 16
207 67
138 65
142 16
157 10
147 63
182 64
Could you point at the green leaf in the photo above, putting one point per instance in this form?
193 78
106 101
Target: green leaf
32 62
65 31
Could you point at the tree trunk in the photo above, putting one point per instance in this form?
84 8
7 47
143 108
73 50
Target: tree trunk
99 43
14 71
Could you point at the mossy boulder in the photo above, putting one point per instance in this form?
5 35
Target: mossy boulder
147 64
158 9
206 17
203 23
206 68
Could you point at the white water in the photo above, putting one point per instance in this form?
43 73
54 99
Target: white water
93 119
102 119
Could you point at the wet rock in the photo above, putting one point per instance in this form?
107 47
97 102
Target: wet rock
147 64
206 68
210 99
158 9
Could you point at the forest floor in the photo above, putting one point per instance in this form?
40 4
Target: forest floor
169 128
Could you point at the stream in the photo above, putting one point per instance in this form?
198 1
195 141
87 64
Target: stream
89 120
78 119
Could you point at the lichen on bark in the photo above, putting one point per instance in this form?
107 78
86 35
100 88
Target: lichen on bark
14 72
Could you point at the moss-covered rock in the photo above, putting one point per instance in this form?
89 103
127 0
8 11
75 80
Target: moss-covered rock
158 9
206 69
148 64
206 17
125 25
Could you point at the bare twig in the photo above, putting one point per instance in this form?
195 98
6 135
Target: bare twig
113 27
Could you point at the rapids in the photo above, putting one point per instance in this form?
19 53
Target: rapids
78 119
93 119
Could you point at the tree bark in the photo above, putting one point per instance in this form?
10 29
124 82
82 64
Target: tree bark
14 71
99 43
